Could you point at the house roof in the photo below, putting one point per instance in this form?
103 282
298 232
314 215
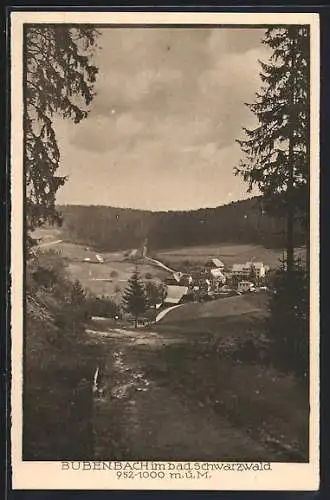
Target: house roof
175 293
215 262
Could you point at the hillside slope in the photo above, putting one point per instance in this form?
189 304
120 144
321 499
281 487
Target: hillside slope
110 228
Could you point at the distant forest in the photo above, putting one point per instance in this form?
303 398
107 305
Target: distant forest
109 228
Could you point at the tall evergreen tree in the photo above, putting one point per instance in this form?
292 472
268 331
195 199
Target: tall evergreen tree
58 81
135 298
277 150
155 292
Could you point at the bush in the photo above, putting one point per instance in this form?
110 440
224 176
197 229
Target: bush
103 306
49 286
148 276
114 274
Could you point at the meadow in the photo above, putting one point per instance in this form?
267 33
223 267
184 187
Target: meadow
108 278
228 253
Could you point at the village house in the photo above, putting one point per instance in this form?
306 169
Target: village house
217 277
260 268
175 294
240 270
214 263
243 271
214 270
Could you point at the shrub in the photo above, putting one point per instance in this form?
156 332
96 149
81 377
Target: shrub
49 286
103 306
148 276
114 274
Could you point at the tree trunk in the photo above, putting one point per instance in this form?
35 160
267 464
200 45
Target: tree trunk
290 186
136 322
290 223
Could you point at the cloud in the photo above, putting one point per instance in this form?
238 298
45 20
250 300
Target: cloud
169 106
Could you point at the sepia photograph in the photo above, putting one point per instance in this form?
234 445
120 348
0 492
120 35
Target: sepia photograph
168 242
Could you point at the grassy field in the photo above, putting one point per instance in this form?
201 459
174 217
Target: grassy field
228 253
228 306
108 278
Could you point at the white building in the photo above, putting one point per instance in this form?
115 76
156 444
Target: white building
244 270
217 274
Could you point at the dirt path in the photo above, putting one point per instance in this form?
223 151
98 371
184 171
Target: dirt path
160 264
143 416
164 313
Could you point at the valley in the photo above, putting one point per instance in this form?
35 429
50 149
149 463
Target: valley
194 385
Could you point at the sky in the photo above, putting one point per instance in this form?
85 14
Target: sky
161 131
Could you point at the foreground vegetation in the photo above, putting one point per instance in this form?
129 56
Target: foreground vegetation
213 362
201 387
59 364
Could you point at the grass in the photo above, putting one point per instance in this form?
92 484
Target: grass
108 278
222 367
220 308
228 253
219 317
213 396
269 406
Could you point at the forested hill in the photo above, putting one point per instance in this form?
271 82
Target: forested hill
109 228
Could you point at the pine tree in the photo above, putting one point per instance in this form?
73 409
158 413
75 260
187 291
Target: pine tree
277 150
134 298
155 292
58 80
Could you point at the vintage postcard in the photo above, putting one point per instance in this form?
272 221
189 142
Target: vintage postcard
165 251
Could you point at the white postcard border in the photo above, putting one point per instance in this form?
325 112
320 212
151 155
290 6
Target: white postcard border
49 475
